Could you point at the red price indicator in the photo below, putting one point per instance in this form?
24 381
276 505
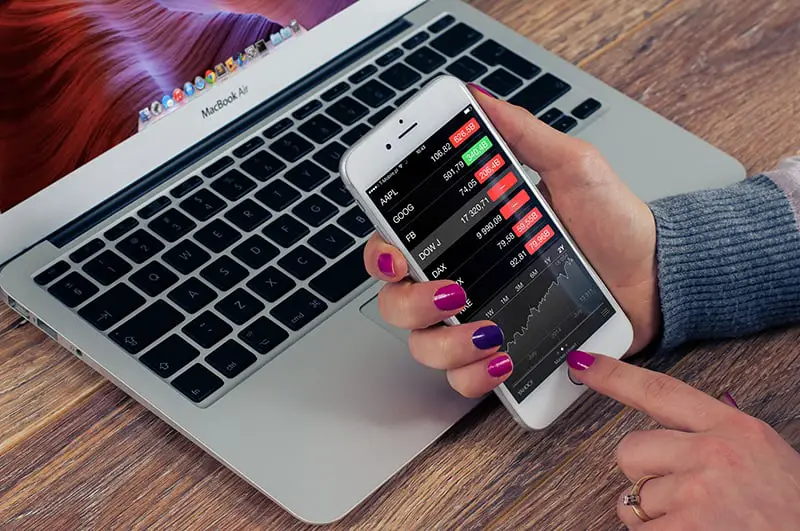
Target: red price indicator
527 222
514 204
489 169
466 131
540 239
504 185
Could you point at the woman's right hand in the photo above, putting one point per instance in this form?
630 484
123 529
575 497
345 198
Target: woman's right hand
614 229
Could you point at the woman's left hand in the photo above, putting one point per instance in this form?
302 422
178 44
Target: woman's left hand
716 467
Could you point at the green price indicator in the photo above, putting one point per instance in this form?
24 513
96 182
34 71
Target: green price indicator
476 151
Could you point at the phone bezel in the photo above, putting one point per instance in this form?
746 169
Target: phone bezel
429 109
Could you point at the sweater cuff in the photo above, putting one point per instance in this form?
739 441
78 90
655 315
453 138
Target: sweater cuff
728 261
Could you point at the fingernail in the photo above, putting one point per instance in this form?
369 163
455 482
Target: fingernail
580 361
450 297
500 366
487 337
480 89
386 264
728 399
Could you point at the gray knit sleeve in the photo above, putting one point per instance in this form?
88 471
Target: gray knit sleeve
729 259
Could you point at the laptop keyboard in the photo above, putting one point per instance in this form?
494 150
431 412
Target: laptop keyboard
210 279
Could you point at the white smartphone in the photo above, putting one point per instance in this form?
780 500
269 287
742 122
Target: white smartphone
440 184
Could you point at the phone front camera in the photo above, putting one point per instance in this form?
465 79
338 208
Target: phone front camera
388 146
401 121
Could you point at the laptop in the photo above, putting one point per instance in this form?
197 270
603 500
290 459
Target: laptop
183 230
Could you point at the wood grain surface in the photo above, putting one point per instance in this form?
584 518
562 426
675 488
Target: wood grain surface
76 453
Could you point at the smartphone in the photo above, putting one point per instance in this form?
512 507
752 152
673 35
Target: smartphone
439 183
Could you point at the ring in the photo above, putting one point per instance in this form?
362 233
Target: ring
634 499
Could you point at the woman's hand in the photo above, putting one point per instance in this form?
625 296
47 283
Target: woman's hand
716 467
614 229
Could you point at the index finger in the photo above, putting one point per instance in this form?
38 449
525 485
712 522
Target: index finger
670 402
384 261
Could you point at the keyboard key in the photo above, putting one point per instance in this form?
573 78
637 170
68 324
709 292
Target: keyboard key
140 246
186 257
416 40
501 82
217 235
263 335
405 97
320 128
233 185
248 147
286 231
354 134
307 175
347 110
541 93
202 205
381 115
51 273
154 207
197 383
388 57
230 359
144 328
119 230
374 93
271 284
107 267
218 167
73 290
302 262
169 356
278 127
356 222
186 186
172 225
239 306
193 295
565 124
457 39
493 54
400 77
466 69
586 109
278 195
153 278
426 60
306 110
342 277
291 147
265 165
362 74
111 307
330 155
247 215
442 23
224 273
315 210
299 309
207 329
331 241
335 91
337 192
551 116
86 250
255 252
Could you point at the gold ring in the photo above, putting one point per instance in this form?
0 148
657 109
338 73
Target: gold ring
634 499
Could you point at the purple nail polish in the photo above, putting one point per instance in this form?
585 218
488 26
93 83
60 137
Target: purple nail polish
500 366
386 264
480 89
728 399
580 361
450 298
487 337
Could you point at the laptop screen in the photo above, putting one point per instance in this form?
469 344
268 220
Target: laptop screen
96 72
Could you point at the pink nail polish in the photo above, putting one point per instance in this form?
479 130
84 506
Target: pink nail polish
480 89
500 366
728 399
580 361
450 298
386 264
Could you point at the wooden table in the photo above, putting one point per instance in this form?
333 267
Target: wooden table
77 453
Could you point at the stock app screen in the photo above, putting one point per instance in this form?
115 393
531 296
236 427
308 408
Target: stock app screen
465 214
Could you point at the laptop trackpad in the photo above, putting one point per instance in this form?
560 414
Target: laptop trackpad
372 312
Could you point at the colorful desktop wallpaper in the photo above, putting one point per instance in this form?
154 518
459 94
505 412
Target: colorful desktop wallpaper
77 72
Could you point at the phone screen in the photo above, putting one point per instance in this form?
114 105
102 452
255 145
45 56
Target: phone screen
463 212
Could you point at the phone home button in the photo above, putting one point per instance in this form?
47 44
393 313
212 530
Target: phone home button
571 379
